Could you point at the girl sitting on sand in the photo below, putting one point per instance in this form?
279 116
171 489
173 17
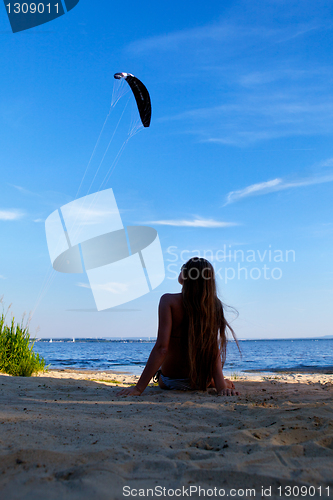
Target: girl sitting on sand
191 336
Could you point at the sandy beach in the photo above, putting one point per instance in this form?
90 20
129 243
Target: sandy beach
66 435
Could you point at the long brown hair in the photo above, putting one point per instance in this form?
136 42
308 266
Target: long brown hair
207 326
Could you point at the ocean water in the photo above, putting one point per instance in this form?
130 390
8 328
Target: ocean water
131 355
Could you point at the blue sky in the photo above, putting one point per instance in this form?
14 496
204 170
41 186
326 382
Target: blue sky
238 156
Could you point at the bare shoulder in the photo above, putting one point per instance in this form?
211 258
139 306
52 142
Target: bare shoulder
171 299
171 304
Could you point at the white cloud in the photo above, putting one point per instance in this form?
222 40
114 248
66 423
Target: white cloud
11 214
2 277
83 285
254 189
273 186
197 222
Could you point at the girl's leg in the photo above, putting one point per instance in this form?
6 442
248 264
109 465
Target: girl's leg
161 384
158 378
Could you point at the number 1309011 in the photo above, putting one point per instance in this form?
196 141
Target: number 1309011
32 8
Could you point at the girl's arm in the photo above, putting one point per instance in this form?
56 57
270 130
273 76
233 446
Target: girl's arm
221 384
159 350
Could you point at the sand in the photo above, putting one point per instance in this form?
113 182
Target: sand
66 435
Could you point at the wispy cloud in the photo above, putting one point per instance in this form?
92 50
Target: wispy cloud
254 189
247 91
262 77
22 189
172 41
256 117
300 32
2 277
273 186
6 215
326 163
217 33
83 285
196 222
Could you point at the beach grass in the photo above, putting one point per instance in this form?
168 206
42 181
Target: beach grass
16 350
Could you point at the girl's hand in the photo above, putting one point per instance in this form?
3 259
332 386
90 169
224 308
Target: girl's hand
130 391
229 384
228 392
229 389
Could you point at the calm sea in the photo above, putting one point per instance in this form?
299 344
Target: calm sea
131 355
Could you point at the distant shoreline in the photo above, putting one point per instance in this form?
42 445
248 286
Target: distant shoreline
150 339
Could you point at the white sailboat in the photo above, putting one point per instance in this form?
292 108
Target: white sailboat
50 340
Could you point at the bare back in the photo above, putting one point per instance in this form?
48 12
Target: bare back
176 364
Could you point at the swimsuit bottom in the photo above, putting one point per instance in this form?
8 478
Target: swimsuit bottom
178 384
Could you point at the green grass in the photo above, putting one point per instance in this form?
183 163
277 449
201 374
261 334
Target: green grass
16 350
235 376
